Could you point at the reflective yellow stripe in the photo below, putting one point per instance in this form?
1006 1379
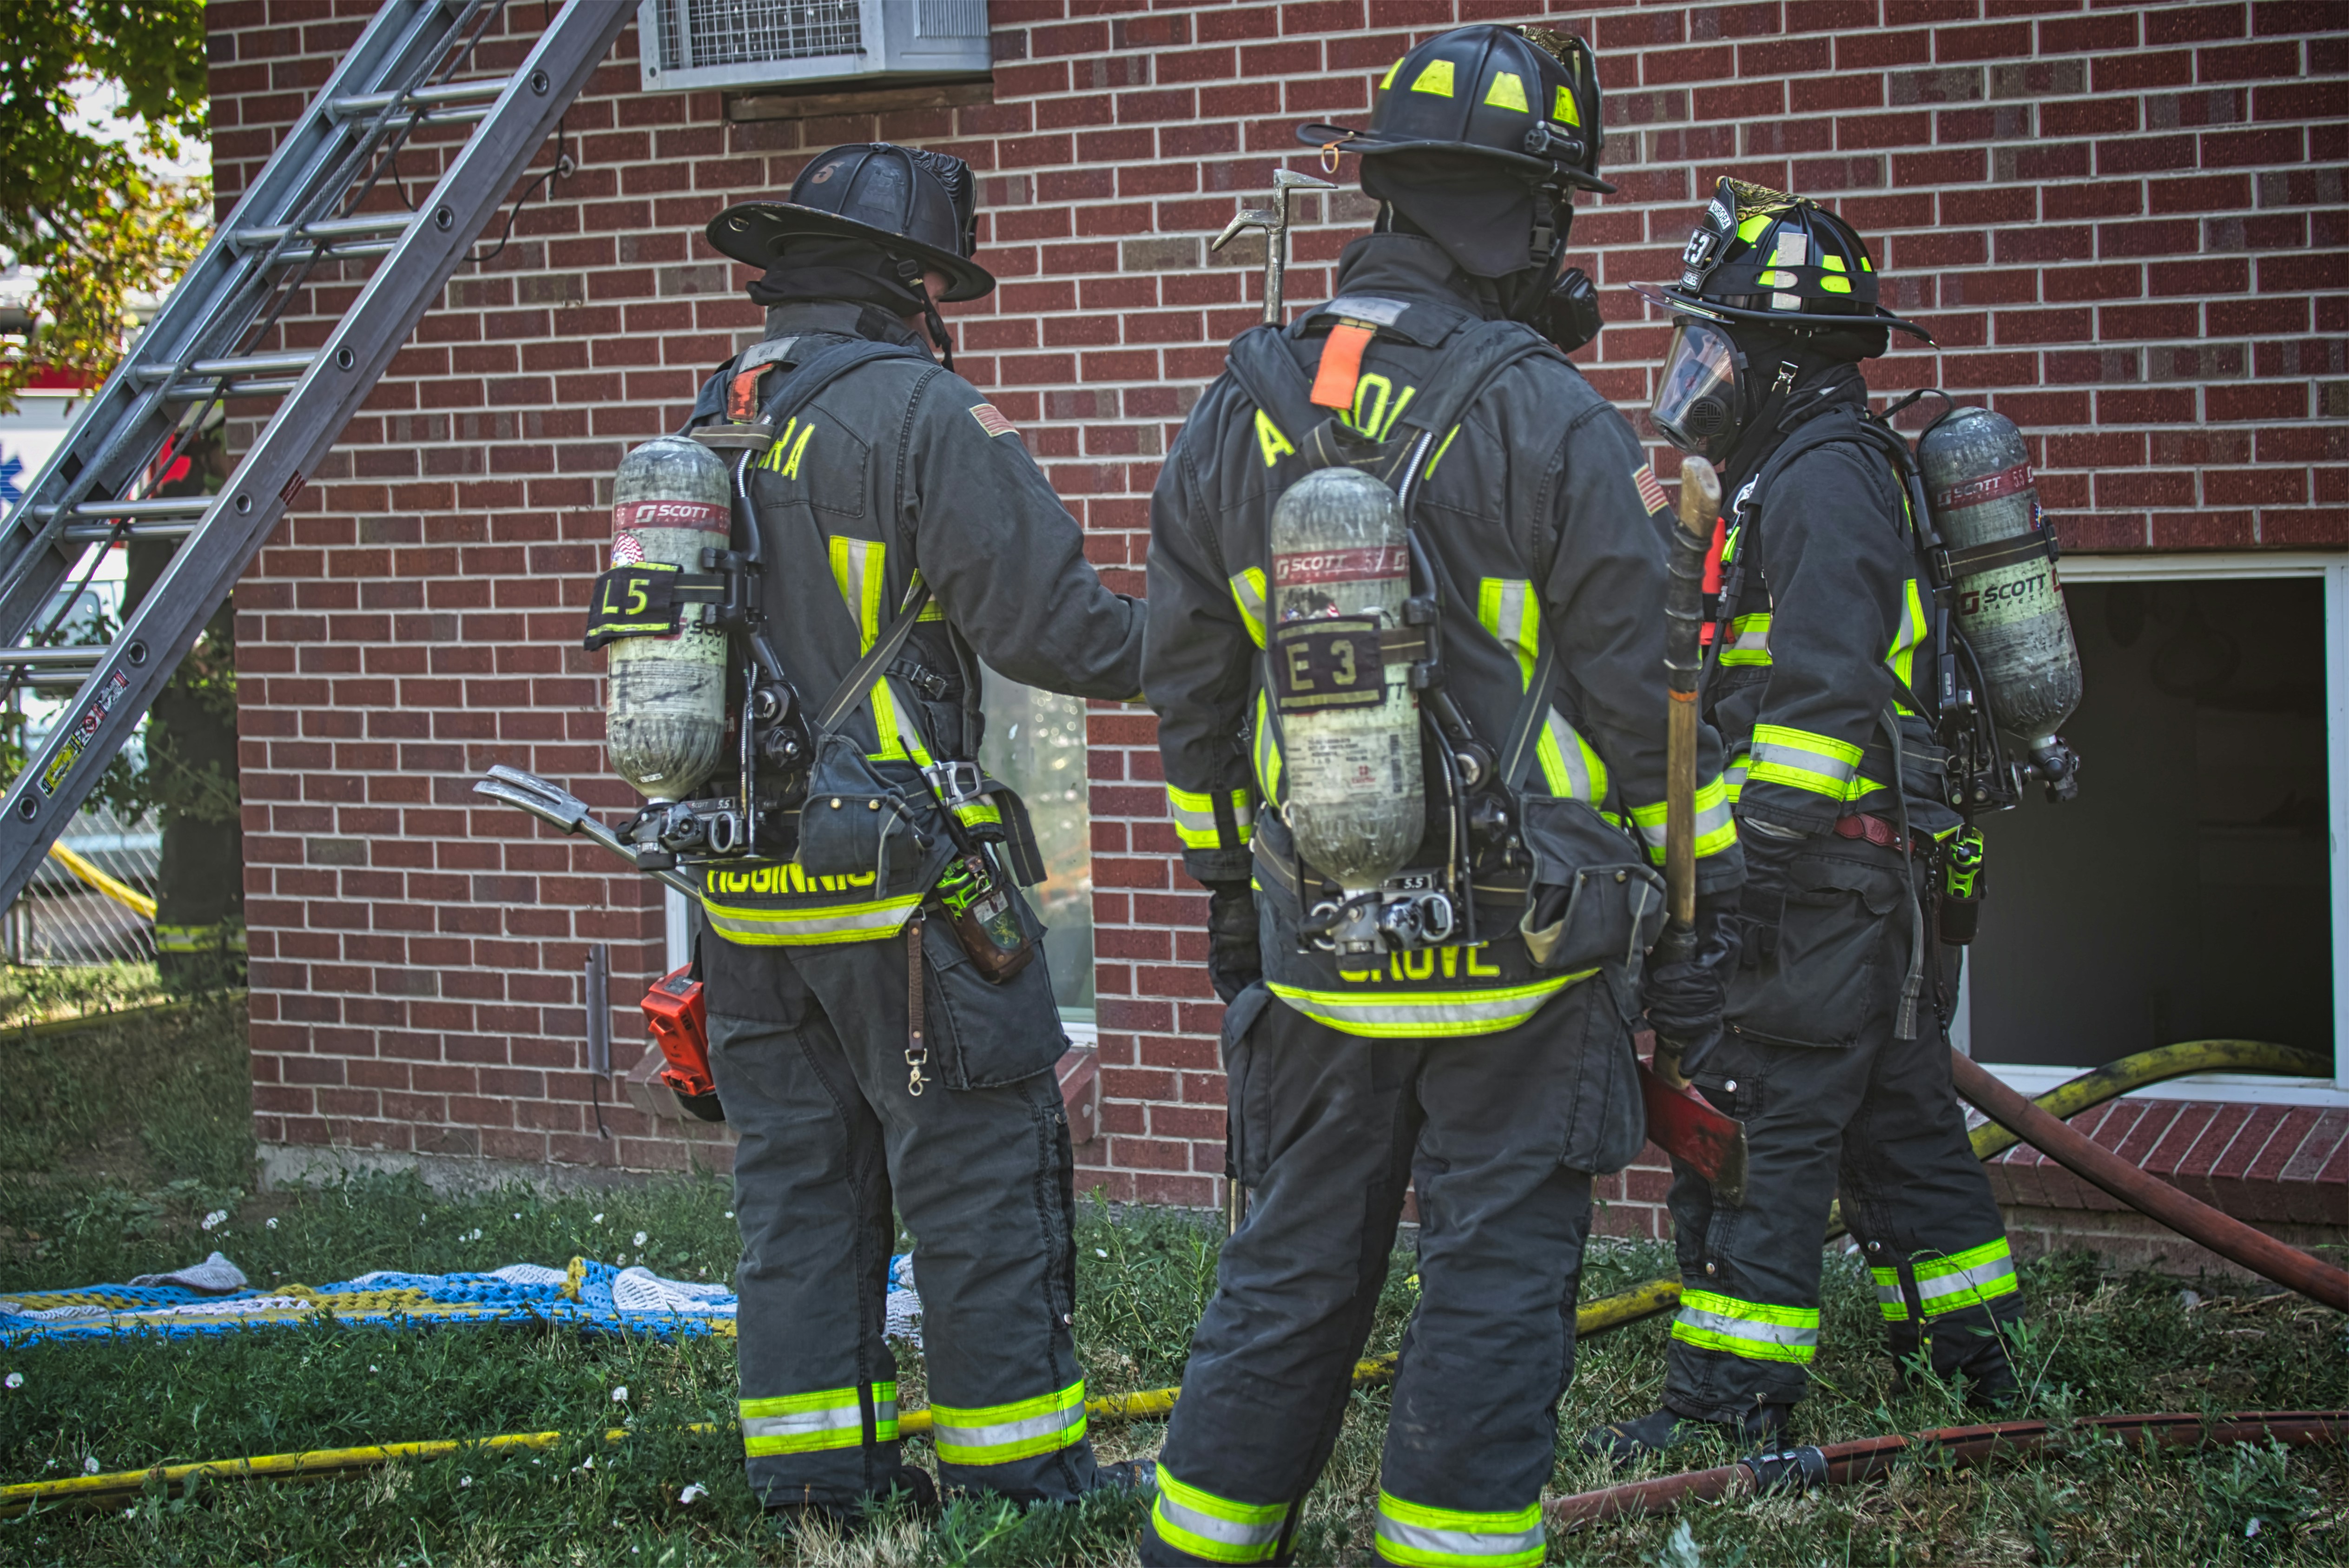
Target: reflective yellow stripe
1268 753
1421 1537
810 926
811 1423
1716 826
998 1434
1247 593
1511 611
1966 1279
1802 759
1571 767
1755 1330
1902 658
1889 1301
1216 1528
1749 640
1194 812
1406 1015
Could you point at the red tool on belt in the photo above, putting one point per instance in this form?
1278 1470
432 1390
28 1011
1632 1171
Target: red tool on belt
679 1020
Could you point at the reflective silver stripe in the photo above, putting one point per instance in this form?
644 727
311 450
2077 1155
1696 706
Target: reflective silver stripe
1428 1013
1981 1282
802 1423
1000 1432
1572 768
1456 1543
1745 1328
1802 760
851 923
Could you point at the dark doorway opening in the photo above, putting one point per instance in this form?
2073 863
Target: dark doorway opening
2185 896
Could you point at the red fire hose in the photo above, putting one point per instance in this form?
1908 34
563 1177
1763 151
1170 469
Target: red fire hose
2222 1233
1798 1469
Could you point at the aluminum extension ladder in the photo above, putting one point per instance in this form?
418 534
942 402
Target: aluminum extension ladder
409 68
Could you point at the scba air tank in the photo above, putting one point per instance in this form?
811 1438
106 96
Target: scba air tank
1355 798
2010 599
665 715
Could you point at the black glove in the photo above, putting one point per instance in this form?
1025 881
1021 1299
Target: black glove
1684 991
1762 902
1234 960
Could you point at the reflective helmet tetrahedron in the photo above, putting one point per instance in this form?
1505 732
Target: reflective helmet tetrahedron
908 202
1762 256
1527 97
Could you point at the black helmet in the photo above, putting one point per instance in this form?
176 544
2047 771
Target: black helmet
1768 259
1526 97
911 203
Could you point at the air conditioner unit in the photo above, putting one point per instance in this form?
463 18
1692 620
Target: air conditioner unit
738 45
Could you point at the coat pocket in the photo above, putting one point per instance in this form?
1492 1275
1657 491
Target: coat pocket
988 1035
864 818
1593 900
1835 972
1246 1139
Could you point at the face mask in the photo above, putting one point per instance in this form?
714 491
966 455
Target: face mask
1700 395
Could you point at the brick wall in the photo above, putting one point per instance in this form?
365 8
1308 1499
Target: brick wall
2124 224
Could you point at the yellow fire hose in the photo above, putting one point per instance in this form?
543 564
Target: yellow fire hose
121 892
2069 1099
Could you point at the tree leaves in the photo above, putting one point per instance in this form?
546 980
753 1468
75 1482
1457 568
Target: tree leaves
89 203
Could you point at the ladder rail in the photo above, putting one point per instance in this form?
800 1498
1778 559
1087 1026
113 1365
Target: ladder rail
219 297
129 672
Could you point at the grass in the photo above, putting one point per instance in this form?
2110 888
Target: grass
117 1143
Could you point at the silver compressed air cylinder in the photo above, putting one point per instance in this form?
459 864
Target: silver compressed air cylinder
665 711
1354 797
2010 597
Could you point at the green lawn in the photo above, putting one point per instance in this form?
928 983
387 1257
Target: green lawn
116 1143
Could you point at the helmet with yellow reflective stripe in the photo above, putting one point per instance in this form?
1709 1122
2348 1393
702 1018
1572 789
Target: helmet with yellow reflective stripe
1524 97
1762 257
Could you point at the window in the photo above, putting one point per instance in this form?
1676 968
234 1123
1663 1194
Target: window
1035 742
2197 888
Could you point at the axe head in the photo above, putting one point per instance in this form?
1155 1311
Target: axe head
1685 1126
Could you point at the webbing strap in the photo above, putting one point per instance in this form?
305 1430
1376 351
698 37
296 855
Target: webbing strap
1528 720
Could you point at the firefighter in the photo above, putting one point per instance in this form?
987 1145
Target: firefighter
1834 1051
1498 1077
869 1064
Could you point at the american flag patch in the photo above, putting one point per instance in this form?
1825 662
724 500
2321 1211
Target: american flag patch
1650 491
993 423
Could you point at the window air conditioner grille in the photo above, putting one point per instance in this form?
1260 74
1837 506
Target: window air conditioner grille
700 33
951 19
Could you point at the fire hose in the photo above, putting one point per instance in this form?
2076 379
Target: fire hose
2069 1099
1797 1470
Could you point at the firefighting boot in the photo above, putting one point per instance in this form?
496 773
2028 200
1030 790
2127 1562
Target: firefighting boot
1136 1476
908 1483
1623 1443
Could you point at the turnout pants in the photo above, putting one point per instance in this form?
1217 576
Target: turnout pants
1853 1112
1329 1129
808 1045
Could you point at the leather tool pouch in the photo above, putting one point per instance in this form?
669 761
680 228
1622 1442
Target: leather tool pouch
997 931
864 817
1593 899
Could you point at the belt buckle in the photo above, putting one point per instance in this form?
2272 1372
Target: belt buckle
946 780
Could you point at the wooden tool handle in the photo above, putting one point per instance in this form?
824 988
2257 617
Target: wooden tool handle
1684 662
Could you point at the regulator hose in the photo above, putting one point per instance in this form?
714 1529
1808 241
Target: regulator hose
2069 1099
1797 1470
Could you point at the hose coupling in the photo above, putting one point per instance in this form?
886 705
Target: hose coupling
1791 1471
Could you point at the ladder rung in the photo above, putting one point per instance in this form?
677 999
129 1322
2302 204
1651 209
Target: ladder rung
176 506
326 229
197 391
366 250
361 104
54 658
235 364
107 533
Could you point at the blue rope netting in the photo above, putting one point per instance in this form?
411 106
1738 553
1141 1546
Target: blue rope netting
595 1297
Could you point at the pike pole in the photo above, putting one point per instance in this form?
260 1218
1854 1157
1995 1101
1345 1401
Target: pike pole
1700 504
1274 222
